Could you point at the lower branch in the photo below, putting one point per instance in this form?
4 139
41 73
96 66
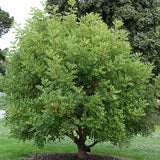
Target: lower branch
93 144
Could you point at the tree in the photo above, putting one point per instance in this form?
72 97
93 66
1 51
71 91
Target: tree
5 24
140 18
76 79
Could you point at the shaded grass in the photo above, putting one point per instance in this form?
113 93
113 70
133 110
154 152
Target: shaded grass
141 148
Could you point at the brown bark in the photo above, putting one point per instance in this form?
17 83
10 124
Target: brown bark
82 148
82 153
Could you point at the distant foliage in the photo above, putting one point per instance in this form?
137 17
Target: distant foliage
77 79
5 24
3 61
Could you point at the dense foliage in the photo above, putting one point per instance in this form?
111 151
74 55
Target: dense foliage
77 79
140 18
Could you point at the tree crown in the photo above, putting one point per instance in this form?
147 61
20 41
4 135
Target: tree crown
77 79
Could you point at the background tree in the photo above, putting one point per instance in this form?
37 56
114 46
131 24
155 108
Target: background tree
76 79
3 61
5 24
140 18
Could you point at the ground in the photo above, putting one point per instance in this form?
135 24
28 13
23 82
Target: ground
71 156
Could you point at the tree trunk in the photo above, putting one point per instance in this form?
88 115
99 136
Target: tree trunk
82 148
82 153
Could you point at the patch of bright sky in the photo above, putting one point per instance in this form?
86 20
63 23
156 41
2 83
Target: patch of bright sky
20 10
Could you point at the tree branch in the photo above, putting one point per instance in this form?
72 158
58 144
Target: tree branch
94 143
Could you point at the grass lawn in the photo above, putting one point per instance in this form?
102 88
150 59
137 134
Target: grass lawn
141 148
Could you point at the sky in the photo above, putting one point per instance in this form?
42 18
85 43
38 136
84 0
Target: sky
20 10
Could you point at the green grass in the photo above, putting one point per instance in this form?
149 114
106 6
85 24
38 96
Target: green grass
141 148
